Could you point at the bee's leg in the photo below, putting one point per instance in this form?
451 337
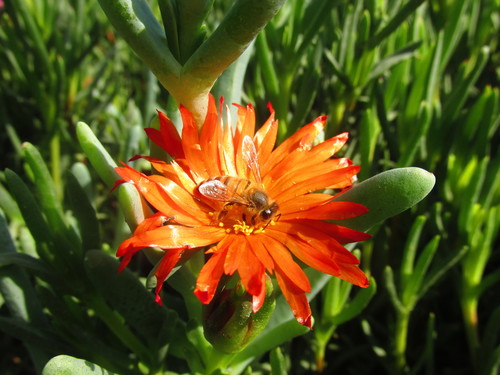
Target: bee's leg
222 213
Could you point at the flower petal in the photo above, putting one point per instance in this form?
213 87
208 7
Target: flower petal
296 299
302 138
251 271
314 182
334 210
210 138
172 237
260 251
166 197
154 221
265 138
167 263
282 257
234 254
167 137
209 276
191 143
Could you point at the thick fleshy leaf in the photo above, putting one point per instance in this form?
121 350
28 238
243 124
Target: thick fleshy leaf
387 194
66 365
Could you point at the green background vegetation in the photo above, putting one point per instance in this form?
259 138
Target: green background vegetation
415 83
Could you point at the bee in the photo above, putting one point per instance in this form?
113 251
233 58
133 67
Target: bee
256 206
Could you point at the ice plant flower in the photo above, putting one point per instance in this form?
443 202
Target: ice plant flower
252 208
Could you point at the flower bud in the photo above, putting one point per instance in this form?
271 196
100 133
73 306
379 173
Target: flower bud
229 322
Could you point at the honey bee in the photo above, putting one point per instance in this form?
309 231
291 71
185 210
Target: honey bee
257 206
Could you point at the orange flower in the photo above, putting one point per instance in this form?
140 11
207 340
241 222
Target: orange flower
255 209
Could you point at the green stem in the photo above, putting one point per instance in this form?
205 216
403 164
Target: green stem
323 334
115 323
190 84
400 340
217 361
55 163
469 312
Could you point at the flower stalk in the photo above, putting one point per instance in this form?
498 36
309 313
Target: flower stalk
190 82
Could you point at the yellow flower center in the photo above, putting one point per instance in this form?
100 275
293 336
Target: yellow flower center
239 226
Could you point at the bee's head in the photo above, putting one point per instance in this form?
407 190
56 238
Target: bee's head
269 212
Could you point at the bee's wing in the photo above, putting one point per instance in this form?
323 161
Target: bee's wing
249 154
214 189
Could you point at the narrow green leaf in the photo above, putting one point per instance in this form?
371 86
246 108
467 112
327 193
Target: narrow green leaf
407 10
357 304
168 12
440 270
388 62
270 76
413 290
240 26
29 208
471 71
369 135
136 23
393 292
278 362
191 13
387 194
66 365
48 198
84 213
9 206
27 262
420 129
410 250
97 154
230 83
127 295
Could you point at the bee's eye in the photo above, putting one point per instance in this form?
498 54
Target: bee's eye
266 214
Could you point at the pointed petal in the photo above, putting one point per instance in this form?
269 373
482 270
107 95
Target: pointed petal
209 277
306 202
282 257
334 210
265 138
251 271
258 300
296 299
167 197
314 257
302 138
167 137
313 182
234 254
304 158
167 263
210 139
171 237
260 251
191 143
